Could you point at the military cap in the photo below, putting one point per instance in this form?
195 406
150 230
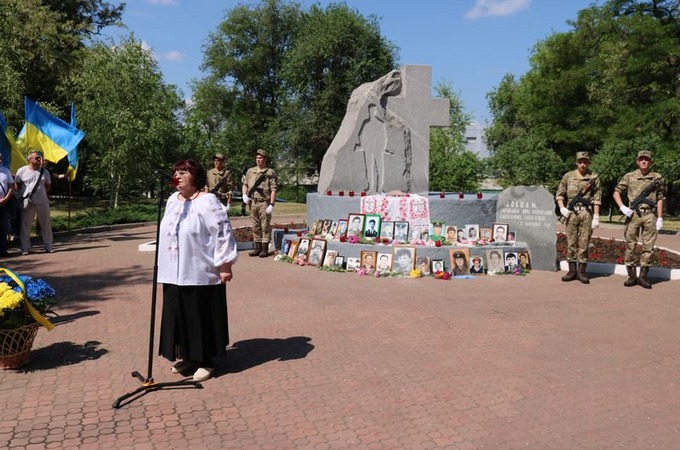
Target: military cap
459 255
261 152
437 223
644 154
582 155
218 156
476 258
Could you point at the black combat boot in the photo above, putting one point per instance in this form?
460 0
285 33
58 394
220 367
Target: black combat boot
632 277
642 281
256 250
264 252
571 275
581 274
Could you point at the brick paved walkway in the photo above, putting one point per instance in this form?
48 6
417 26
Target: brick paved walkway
326 361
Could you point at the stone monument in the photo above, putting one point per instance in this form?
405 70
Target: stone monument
530 211
383 143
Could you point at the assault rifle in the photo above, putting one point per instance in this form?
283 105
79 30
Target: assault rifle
642 196
580 198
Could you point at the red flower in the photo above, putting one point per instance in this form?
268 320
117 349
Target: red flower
437 243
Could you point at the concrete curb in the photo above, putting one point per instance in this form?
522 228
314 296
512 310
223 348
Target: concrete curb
620 269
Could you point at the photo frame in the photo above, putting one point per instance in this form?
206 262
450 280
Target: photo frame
477 265
500 232
437 231
524 260
511 261
285 246
326 227
368 259
352 263
355 225
512 236
319 227
438 265
401 231
472 232
451 233
292 251
303 247
329 259
384 263
312 229
459 259
372 226
316 252
423 264
387 231
485 234
494 261
403 258
334 226
341 229
339 261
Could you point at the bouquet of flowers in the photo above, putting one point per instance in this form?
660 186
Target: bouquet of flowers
17 310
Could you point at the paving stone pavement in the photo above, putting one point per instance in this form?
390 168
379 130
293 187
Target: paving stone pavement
323 360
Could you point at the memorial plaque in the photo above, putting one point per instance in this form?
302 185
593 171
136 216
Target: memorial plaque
529 211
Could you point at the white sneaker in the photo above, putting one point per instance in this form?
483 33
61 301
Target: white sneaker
203 374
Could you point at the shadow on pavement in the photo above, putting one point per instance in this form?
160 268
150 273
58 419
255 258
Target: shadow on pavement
62 354
246 354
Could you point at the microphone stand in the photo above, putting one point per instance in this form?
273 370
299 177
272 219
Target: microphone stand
148 383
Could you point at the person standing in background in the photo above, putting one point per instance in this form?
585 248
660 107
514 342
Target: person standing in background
259 189
220 181
34 183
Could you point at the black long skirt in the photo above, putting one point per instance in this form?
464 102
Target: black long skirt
194 324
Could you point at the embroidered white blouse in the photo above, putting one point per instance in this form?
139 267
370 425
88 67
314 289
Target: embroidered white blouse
196 238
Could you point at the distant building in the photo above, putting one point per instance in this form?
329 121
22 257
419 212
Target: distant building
474 139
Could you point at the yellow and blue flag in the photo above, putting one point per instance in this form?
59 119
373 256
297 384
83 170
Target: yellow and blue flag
12 158
50 134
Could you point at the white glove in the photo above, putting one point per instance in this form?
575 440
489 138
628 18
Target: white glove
596 221
269 209
227 207
626 211
565 212
659 224
246 199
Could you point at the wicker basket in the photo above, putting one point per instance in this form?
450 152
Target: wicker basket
15 345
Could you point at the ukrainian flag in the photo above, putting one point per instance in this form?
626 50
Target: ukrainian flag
11 156
53 136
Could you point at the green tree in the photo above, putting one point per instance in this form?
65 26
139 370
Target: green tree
452 166
130 117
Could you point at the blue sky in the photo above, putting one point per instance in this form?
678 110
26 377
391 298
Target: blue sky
470 44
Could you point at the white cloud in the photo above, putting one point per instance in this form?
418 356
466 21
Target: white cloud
484 8
173 56
162 2
146 47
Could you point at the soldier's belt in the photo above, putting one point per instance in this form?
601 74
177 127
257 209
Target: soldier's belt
644 210
258 200
580 208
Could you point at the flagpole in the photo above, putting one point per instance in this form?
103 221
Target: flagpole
68 232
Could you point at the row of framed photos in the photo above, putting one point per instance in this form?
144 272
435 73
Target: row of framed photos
372 226
403 258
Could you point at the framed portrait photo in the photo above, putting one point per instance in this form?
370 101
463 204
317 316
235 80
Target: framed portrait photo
500 232
352 263
512 236
403 258
285 246
524 260
334 226
401 231
438 265
329 259
423 264
477 266
510 261
384 263
494 261
472 232
292 250
312 229
459 258
368 259
485 234
303 247
327 223
355 225
319 227
387 230
339 261
341 228
451 233
316 252
372 225
437 232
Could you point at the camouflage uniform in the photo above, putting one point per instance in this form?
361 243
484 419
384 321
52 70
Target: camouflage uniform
260 199
221 184
579 222
643 221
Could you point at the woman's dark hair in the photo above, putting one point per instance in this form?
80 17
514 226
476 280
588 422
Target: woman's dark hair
194 168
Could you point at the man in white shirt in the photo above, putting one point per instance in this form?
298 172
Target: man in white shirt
34 182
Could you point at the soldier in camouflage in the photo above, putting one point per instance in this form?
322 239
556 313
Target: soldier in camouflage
259 189
582 218
644 221
220 181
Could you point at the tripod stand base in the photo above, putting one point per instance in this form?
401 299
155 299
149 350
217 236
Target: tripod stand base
148 385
